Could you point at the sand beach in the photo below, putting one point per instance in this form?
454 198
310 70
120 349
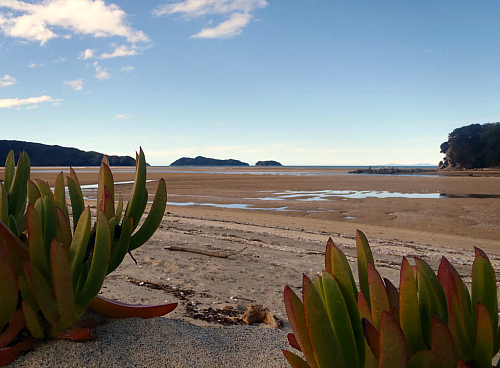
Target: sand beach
236 236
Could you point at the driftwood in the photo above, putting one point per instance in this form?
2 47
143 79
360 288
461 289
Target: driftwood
205 253
260 314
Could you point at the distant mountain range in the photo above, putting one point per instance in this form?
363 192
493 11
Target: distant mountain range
46 155
205 161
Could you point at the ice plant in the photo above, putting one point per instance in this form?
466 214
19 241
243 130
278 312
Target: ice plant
52 266
431 321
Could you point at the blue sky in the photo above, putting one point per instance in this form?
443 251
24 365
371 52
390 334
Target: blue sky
303 82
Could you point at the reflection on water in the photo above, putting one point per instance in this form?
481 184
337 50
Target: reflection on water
324 195
230 205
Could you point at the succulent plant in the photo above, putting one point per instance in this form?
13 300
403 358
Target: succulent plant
431 321
52 267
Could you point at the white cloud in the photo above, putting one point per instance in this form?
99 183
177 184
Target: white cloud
231 27
123 50
7 81
239 12
197 8
127 69
76 84
46 20
16 102
31 65
122 116
87 54
100 72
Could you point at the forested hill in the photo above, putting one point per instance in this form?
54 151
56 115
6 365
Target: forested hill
45 155
472 147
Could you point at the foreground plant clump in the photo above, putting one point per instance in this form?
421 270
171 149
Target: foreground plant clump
52 268
431 321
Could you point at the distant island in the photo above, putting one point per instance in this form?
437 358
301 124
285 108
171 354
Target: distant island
46 155
268 163
205 161
473 146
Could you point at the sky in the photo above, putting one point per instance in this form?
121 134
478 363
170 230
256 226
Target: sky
303 82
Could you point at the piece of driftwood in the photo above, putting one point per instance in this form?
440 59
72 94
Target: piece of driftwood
205 253
259 314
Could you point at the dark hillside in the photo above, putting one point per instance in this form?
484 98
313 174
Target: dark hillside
473 146
45 155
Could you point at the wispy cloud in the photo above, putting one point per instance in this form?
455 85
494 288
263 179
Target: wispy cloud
122 50
7 81
43 21
31 65
16 102
231 27
100 72
76 84
127 69
122 116
238 11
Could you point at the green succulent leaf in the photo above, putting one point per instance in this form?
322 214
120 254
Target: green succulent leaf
119 208
135 203
441 344
42 292
36 239
364 309
296 317
337 265
422 359
19 187
484 338
16 324
10 170
33 192
153 219
294 360
378 295
44 188
8 290
26 293
324 343
372 336
79 246
63 228
341 321
120 250
15 249
484 288
459 310
106 184
392 343
50 223
365 256
13 225
107 203
33 321
63 287
430 290
60 194
76 197
98 266
4 204
409 312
